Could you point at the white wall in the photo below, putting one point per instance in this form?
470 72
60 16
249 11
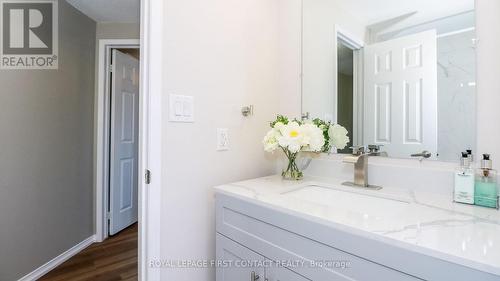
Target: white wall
225 54
290 57
488 82
320 53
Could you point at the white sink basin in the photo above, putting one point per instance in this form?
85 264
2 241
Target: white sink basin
361 202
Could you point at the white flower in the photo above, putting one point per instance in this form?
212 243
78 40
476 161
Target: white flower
313 137
291 137
270 140
338 136
278 126
294 137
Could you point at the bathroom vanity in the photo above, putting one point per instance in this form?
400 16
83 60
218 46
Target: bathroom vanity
318 229
400 77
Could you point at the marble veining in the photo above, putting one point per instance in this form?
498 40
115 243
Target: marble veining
420 221
456 94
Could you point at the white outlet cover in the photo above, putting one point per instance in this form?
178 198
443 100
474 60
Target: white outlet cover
222 139
181 108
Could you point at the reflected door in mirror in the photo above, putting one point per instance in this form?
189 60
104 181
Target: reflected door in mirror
401 94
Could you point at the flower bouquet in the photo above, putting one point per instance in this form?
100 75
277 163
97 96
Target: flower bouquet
294 136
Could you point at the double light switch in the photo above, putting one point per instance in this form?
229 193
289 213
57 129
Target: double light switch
181 108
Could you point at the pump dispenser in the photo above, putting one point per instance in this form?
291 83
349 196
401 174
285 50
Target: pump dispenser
464 181
470 155
486 189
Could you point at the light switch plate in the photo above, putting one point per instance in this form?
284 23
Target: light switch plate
181 108
222 139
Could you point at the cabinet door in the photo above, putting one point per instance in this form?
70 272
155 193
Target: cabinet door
283 274
237 263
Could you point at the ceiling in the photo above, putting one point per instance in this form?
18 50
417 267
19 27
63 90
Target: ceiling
109 10
370 12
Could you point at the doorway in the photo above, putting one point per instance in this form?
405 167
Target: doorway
117 172
345 87
349 88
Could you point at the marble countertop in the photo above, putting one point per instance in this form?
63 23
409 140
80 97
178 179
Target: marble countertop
428 223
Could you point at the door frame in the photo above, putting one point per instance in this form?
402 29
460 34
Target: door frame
356 45
150 133
150 137
103 137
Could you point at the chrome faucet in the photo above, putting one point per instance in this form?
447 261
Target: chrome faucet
374 150
359 158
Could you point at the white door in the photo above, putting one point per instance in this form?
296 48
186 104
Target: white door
124 142
400 110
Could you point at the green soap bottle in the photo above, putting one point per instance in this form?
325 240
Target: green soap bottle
485 188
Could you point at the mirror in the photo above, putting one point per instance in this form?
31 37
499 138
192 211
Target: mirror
395 73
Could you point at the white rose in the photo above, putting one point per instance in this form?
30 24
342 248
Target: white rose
270 140
314 137
338 136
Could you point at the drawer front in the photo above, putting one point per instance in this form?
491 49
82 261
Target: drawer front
241 263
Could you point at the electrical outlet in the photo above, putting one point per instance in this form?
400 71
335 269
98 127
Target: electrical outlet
222 139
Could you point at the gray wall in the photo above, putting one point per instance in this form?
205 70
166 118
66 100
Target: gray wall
118 30
46 137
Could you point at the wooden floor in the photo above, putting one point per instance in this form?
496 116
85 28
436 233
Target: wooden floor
113 259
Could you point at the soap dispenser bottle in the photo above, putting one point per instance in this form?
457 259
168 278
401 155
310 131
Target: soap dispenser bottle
471 156
486 190
464 181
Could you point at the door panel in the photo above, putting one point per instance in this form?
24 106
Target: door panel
383 118
413 111
401 94
124 142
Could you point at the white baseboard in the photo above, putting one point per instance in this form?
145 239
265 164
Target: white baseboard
46 268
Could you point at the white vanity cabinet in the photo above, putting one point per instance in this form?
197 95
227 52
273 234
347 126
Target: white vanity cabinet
251 229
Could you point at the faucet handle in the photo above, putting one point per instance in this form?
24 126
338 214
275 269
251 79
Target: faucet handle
424 154
374 148
358 150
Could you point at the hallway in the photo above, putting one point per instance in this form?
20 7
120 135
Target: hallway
114 259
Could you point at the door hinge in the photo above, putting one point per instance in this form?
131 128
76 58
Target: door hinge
108 215
147 177
110 68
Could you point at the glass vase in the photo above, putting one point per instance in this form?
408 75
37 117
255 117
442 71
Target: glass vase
292 171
